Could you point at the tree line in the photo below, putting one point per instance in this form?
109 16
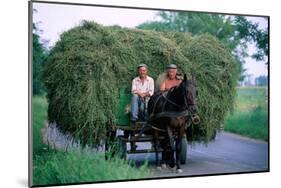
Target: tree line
39 54
236 32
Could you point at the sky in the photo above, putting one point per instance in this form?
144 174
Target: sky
53 19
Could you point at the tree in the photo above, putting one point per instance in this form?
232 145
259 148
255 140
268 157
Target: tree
39 54
249 32
236 32
261 81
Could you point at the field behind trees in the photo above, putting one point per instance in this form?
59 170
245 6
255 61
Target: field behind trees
250 117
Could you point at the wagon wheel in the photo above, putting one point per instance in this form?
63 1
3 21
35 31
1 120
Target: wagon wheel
115 145
183 150
109 142
121 148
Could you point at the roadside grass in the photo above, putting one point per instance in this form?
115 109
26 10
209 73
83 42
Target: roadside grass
39 115
58 167
76 166
250 117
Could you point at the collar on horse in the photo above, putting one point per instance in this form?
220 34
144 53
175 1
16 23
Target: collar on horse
171 114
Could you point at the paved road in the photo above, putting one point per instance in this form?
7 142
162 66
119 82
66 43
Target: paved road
229 153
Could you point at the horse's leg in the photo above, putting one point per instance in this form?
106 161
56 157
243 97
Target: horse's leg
156 143
179 147
167 154
172 146
164 159
178 151
162 144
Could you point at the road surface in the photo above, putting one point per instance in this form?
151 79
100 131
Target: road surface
229 153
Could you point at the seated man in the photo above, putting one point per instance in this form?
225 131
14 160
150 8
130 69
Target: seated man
142 89
172 78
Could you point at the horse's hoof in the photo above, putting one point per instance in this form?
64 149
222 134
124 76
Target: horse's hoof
179 170
173 169
164 166
172 165
159 168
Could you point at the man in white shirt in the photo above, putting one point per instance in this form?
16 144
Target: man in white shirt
142 89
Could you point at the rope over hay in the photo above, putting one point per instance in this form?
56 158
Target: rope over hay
90 63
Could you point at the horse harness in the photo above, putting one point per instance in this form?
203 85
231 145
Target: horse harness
166 95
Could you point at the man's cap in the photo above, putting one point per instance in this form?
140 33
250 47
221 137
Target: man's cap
142 65
172 66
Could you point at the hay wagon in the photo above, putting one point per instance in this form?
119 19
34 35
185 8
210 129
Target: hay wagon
120 134
87 67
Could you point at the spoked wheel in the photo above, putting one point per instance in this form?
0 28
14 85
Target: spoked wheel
115 145
109 142
121 147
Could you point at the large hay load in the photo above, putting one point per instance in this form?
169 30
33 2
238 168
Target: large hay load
90 63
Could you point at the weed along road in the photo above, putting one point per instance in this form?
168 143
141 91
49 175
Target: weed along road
228 153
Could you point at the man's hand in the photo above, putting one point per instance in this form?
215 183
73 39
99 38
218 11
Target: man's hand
136 92
142 95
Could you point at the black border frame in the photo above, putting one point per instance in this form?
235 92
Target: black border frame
30 91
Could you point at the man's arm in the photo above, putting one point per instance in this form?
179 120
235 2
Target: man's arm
145 94
150 91
162 86
151 88
134 87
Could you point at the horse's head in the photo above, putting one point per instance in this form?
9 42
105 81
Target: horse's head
190 94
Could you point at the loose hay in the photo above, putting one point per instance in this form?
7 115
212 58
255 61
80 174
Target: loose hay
90 63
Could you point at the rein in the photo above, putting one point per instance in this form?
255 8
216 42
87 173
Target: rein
195 118
171 102
169 113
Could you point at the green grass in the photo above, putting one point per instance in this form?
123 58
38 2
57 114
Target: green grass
79 167
58 167
250 117
39 115
251 97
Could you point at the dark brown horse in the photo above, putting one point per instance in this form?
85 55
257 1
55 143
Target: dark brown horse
170 113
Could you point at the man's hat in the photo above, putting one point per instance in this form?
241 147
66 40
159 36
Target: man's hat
142 65
172 66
